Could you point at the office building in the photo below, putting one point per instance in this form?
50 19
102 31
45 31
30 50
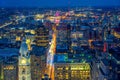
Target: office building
10 69
42 36
67 69
38 62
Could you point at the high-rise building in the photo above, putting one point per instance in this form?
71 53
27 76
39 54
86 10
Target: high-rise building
1 69
38 62
63 38
24 63
10 69
65 69
8 60
42 36
63 29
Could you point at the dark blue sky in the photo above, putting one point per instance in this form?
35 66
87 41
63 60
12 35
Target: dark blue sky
55 3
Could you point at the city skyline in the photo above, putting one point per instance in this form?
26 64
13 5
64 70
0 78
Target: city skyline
59 40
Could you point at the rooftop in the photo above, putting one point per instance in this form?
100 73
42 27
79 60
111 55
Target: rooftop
38 50
77 58
11 60
9 52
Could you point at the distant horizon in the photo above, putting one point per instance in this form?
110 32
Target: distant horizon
62 7
59 3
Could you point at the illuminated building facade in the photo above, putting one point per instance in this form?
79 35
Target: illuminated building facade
9 61
30 36
71 68
63 38
1 69
72 71
76 34
38 62
46 77
39 16
42 36
24 63
10 69
79 36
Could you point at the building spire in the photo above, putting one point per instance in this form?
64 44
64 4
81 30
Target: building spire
24 48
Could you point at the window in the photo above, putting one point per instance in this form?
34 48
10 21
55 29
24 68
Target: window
23 78
23 71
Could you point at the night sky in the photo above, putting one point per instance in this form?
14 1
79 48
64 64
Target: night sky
57 3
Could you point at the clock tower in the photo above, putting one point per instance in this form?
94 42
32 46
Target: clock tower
24 62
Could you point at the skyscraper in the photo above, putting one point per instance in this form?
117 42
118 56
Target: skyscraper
10 69
38 62
42 36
